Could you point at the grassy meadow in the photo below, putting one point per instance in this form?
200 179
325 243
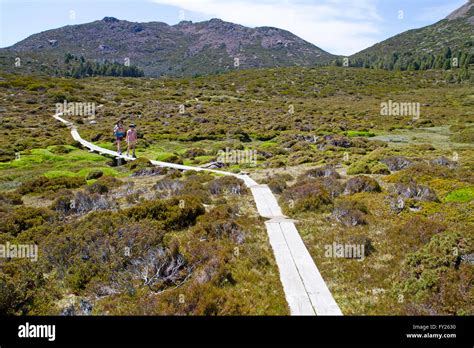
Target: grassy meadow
134 239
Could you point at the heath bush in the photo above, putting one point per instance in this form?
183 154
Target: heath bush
361 184
306 196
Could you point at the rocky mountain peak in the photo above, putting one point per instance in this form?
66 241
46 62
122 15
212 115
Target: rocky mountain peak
465 11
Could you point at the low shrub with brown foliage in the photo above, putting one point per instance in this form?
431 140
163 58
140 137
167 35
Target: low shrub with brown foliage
221 222
194 152
104 184
277 183
350 213
361 184
396 163
322 172
308 195
228 185
11 198
418 231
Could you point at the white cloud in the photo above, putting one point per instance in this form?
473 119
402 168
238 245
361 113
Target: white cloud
338 26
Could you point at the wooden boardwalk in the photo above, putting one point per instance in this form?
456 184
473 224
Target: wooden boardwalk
305 290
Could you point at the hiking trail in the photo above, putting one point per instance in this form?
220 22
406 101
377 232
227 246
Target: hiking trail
305 290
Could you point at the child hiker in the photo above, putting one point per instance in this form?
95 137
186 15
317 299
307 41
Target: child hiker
132 140
119 133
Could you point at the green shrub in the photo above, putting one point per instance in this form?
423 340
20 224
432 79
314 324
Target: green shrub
37 87
359 167
58 96
23 218
139 163
43 184
9 298
11 198
99 240
441 253
104 184
432 276
24 289
175 213
300 157
380 169
80 275
301 146
196 189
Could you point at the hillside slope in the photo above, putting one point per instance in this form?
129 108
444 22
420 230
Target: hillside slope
454 32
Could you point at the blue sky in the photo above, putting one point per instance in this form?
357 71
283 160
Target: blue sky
338 26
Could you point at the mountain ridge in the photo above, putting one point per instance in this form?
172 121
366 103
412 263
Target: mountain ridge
185 48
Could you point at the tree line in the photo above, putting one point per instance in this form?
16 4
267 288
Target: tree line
78 67
411 62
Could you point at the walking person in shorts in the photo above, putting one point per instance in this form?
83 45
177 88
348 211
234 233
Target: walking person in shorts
132 140
119 133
